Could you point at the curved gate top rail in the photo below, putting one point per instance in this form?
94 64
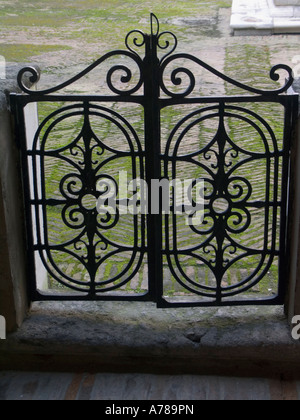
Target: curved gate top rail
153 128
138 46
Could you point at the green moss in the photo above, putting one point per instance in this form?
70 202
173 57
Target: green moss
94 21
23 52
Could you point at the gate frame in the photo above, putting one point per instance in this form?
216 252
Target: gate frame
152 71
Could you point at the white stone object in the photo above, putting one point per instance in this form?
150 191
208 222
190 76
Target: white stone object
272 16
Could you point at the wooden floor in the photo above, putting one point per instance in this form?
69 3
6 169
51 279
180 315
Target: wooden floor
68 386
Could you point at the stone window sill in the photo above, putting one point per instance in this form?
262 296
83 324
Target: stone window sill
138 337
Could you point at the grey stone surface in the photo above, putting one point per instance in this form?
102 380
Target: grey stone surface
296 85
18 386
138 337
13 289
287 2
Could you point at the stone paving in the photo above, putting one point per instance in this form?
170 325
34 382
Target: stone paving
113 387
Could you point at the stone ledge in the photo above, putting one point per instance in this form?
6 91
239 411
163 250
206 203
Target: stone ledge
256 17
138 337
287 2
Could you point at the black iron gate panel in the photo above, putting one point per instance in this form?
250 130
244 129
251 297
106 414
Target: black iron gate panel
152 191
236 251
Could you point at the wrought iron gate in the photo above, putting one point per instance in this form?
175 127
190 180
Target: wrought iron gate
154 124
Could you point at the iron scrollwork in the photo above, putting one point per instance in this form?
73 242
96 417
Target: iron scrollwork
231 205
160 41
85 228
231 201
176 80
125 78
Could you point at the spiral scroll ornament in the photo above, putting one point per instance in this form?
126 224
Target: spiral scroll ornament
171 79
170 76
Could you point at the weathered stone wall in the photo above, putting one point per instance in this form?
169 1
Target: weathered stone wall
13 289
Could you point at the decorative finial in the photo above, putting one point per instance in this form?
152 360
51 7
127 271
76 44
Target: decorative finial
154 20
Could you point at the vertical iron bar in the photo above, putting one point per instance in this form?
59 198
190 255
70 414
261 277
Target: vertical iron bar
289 191
153 164
291 305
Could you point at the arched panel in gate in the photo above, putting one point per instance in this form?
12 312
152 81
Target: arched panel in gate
237 244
